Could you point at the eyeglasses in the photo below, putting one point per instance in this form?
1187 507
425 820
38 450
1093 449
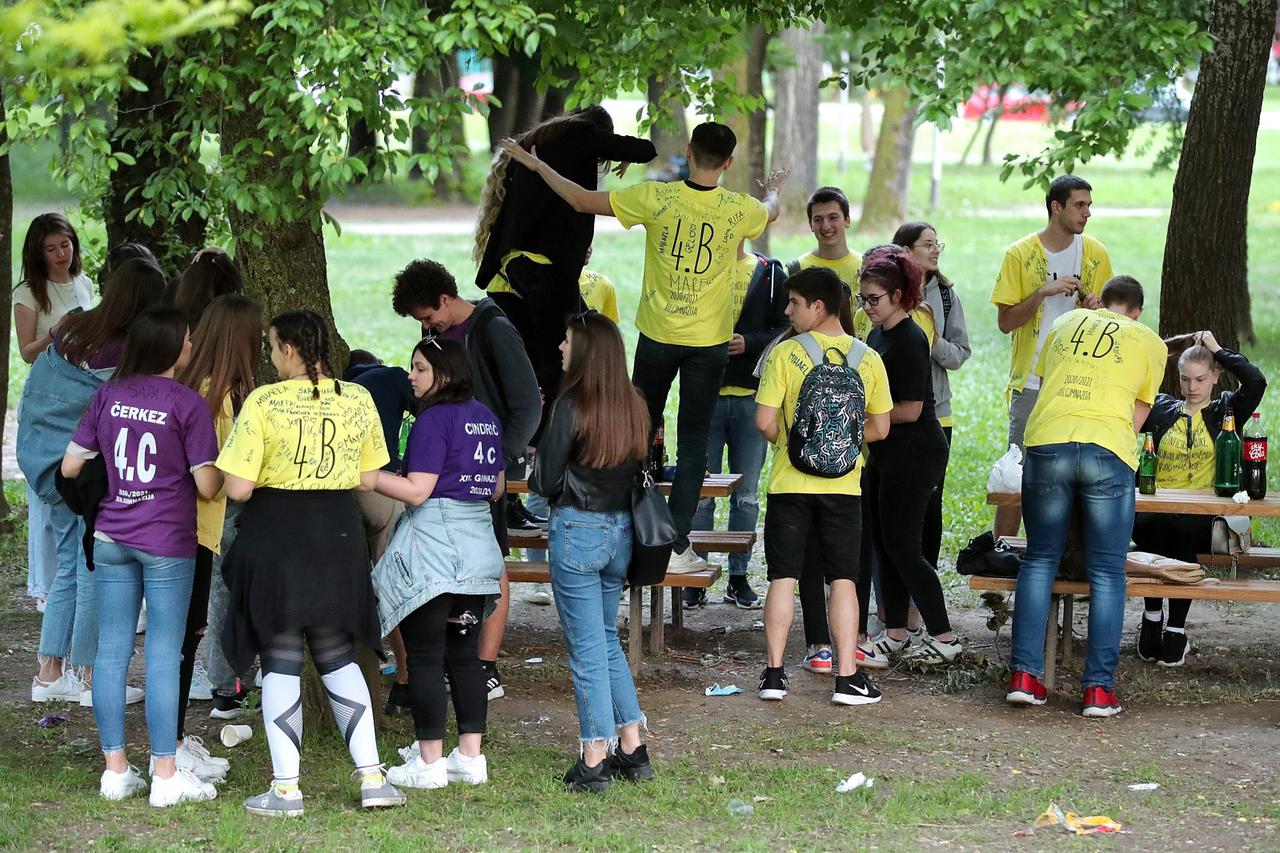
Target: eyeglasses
872 300
929 246
581 318
433 340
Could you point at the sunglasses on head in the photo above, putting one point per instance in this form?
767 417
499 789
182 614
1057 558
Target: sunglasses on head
581 317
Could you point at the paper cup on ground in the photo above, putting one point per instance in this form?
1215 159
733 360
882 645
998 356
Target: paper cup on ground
235 735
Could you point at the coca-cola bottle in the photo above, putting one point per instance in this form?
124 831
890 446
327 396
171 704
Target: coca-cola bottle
1254 461
657 455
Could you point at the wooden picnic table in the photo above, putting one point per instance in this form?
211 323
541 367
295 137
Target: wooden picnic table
1187 501
713 486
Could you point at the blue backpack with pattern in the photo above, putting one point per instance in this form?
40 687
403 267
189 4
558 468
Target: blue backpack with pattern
825 439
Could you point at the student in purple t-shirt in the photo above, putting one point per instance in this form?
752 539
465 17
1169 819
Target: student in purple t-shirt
442 561
157 439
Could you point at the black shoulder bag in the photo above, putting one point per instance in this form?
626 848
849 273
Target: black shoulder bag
653 534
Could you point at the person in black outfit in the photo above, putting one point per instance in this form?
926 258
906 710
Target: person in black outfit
905 467
529 236
1185 429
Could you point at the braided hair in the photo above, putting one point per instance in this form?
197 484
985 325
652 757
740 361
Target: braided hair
306 332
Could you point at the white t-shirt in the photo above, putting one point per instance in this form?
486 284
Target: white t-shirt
1061 265
77 293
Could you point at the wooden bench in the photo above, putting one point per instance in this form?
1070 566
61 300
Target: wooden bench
1254 558
537 571
703 541
1064 592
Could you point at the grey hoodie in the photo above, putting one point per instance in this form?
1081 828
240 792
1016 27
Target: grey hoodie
950 347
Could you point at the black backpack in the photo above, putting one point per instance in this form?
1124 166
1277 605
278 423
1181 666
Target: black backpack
825 438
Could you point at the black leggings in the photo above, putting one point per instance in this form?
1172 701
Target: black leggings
896 488
931 542
1179 537
197 621
438 639
549 296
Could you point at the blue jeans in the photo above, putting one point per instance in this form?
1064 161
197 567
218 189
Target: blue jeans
537 505
590 552
701 370
42 552
126 576
70 627
733 424
1055 479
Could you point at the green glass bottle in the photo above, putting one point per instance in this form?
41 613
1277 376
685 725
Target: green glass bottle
1148 464
1226 449
405 426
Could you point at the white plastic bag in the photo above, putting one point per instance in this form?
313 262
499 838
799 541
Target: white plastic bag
1006 474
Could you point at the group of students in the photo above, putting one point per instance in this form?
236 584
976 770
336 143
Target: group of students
159 472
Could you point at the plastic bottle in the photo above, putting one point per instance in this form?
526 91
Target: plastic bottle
405 426
1254 458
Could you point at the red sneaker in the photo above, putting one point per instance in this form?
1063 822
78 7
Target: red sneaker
1025 689
1100 702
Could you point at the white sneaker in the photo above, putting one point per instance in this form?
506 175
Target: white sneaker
192 756
132 696
685 562
887 646
934 651
142 620
65 688
201 686
416 773
118 786
461 768
407 753
181 787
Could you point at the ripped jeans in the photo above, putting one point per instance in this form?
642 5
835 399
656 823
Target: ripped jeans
590 552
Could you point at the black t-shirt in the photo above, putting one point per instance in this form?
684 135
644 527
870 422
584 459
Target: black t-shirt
905 352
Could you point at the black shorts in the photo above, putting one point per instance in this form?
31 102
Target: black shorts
813 533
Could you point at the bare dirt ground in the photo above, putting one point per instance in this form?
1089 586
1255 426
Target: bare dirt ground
1207 733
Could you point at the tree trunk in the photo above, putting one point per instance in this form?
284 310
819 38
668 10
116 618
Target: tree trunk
1204 282
361 142
738 177
433 81
670 130
757 121
795 120
996 115
867 126
556 99
502 116
6 287
529 101
885 205
173 240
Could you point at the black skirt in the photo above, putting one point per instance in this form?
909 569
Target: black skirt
299 560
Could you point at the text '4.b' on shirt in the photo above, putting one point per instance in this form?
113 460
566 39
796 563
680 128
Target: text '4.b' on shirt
1094 366
691 246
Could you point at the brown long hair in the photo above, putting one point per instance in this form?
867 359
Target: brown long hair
135 287
34 272
212 274
224 350
610 419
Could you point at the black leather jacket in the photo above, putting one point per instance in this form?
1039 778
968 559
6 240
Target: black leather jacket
1243 401
563 481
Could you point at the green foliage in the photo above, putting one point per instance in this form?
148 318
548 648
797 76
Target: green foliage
1099 56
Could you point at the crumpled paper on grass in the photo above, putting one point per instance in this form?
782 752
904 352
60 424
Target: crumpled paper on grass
854 782
1074 823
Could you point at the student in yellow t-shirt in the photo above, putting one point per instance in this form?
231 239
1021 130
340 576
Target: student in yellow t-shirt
760 300
685 315
299 570
1184 428
1043 276
828 213
814 524
1100 373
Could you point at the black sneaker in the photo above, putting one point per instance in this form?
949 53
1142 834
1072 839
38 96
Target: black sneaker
582 779
773 684
855 689
1149 638
634 767
1173 649
228 706
695 597
492 681
739 593
398 702
519 518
